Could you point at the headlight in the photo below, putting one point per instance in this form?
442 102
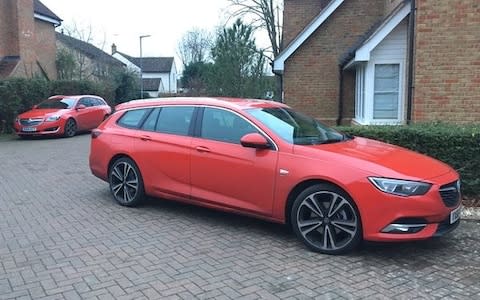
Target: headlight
400 187
53 118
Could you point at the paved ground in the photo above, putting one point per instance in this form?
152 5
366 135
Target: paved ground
62 236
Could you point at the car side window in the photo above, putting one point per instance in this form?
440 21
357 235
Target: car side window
224 126
83 101
133 118
96 102
151 121
175 120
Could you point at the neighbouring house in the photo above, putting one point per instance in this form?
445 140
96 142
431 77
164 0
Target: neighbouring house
27 39
90 62
159 73
382 61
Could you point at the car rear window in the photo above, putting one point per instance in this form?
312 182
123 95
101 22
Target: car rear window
133 118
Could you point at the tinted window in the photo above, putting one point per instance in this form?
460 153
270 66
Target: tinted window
151 121
175 120
225 126
133 118
97 102
85 101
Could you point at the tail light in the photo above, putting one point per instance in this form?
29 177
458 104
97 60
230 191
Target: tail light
96 133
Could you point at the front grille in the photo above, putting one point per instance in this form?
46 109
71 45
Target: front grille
31 122
450 193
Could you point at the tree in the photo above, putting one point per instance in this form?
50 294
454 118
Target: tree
238 66
264 15
195 77
194 46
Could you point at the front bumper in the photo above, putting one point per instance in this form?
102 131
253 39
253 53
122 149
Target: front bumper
388 217
44 128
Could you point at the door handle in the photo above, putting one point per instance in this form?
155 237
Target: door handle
145 138
202 149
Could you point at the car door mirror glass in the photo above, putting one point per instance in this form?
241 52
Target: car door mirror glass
255 140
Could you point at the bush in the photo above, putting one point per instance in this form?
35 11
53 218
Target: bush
456 145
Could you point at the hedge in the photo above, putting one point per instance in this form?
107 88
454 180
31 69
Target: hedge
18 94
456 145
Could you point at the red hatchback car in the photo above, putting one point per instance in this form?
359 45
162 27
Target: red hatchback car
263 159
62 115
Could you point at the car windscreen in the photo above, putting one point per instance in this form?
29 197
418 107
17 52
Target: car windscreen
294 127
56 103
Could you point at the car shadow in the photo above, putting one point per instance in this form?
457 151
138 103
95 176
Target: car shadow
389 252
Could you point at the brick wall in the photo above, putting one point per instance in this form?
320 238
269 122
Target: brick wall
311 80
33 40
447 64
46 47
8 29
297 14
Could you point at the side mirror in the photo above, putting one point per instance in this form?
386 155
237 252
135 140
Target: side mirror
35 106
255 140
81 106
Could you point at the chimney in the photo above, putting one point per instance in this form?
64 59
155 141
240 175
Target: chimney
114 48
9 29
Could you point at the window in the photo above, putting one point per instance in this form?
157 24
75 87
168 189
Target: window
360 93
133 118
175 120
151 122
224 126
386 91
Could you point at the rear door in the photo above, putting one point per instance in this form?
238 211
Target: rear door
162 150
225 173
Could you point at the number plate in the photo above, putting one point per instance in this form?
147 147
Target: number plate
455 215
29 129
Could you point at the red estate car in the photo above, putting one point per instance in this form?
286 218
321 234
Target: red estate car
62 115
263 159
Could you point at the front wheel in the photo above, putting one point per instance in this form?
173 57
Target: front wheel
126 183
325 218
70 128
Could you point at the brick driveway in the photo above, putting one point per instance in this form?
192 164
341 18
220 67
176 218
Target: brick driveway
62 236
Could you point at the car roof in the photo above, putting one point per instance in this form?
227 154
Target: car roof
72 96
235 103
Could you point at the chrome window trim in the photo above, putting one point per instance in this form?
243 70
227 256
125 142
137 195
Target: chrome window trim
275 146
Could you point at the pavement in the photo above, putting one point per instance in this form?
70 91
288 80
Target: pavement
63 237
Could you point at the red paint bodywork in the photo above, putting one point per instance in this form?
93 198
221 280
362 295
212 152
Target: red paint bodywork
244 180
86 118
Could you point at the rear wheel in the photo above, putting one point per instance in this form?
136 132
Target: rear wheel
70 128
325 218
126 183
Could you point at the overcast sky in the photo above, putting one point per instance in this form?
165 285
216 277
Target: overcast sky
123 21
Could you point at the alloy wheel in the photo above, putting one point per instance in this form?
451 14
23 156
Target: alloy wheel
70 128
124 182
327 221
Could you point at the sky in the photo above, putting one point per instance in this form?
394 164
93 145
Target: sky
123 21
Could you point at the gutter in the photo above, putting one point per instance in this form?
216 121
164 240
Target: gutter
411 50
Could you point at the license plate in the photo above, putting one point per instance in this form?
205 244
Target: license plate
29 129
455 215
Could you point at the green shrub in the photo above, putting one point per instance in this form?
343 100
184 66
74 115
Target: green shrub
456 145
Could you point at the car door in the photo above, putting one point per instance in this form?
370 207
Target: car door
97 112
83 115
223 172
162 151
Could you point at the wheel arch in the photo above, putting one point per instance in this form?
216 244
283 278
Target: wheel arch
297 189
117 157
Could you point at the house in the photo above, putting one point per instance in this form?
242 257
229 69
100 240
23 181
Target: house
91 62
159 74
27 39
382 61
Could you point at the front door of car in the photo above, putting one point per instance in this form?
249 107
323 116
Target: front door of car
225 173
97 111
83 114
162 151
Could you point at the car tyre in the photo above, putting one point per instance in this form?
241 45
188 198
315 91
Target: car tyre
326 219
70 128
126 183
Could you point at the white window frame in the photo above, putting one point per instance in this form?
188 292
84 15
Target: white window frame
369 78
